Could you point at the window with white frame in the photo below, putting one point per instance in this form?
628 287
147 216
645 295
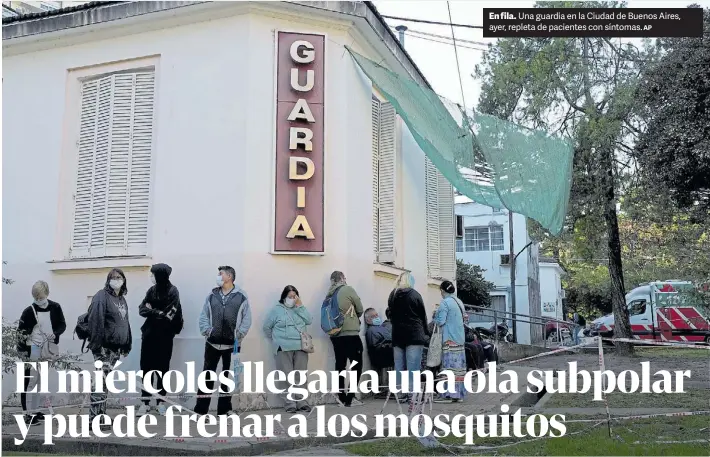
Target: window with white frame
384 184
440 224
488 238
112 194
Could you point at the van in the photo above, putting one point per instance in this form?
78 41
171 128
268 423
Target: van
662 311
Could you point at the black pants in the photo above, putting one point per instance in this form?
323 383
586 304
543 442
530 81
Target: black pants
212 358
156 351
347 348
474 356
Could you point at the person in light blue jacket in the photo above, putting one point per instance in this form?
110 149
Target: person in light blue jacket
449 318
283 326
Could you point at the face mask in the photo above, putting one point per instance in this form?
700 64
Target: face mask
116 284
152 279
220 281
377 321
290 302
42 303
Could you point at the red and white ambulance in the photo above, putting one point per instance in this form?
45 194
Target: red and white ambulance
664 311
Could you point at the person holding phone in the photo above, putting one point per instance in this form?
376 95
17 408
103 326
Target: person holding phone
284 325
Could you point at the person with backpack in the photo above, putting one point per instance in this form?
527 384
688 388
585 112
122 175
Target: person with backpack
109 332
163 320
409 328
39 329
286 326
449 319
340 319
224 322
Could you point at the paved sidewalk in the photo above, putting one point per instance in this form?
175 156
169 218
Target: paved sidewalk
160 445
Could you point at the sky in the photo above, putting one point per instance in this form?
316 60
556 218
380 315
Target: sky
437 60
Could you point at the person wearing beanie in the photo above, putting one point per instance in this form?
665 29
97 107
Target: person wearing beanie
449 318
163 320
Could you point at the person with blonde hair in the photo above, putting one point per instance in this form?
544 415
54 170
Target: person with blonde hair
409 327
40 326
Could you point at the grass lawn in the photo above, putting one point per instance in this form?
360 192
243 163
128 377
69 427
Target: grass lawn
691 400
661 351
595 441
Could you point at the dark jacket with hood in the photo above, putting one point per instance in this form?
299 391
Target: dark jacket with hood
379 345
28 321
164 316
108 320
408 316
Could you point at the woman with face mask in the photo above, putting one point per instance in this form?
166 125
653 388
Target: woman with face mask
283 326
40 324
449 318
110 331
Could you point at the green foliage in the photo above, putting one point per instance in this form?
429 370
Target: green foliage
10 354
472 288
673 152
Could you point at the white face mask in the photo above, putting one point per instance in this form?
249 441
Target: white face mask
220 281
116 284
152 279
42 303
290 302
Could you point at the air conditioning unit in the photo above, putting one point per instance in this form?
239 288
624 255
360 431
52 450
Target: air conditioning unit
459 227
563 294
505 259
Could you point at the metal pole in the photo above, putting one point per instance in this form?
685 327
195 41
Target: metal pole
401 29
512 274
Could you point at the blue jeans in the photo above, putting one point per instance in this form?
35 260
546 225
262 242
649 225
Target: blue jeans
408 359
575 333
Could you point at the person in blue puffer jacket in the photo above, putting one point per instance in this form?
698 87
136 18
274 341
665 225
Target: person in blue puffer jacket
283 326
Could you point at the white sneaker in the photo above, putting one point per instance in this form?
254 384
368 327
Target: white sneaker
162 409
143 410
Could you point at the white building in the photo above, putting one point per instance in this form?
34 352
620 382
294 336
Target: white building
484 240
161 141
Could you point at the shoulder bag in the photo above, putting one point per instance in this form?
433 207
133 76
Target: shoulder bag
49 349
433 356
306 339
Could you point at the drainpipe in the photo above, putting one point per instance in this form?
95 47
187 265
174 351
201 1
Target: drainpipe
401 29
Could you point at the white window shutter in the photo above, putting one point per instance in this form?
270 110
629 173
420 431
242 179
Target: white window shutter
375 174
113 173
432 219
447 232
387 183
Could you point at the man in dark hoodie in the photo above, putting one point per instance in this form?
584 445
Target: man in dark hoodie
109 331
347 344
163 313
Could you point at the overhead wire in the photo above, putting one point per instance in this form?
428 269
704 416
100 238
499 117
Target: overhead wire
422 21
456 53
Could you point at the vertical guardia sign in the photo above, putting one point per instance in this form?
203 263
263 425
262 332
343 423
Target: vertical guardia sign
299 205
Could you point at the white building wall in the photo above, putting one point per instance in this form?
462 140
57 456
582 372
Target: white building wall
212 180
477 215
551 290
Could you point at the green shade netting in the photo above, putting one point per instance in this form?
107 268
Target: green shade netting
493 162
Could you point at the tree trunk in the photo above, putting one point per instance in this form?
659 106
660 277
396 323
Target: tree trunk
622 327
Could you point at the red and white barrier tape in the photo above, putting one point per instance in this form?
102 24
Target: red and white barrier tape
657 343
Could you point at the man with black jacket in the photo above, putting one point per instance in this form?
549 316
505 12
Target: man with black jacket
40 323
163 313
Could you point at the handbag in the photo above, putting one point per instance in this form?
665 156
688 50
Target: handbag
433 357
306 339
49 350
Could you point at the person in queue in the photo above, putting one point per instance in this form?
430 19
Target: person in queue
347 344
163 320
449 318
284 325
378 338
110 332
224 322
41 323
409 328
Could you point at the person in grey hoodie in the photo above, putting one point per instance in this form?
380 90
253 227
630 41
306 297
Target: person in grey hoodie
224 322
110 331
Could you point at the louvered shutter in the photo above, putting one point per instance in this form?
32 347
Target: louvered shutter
375 174
432 219
113 173
447 254
387 183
